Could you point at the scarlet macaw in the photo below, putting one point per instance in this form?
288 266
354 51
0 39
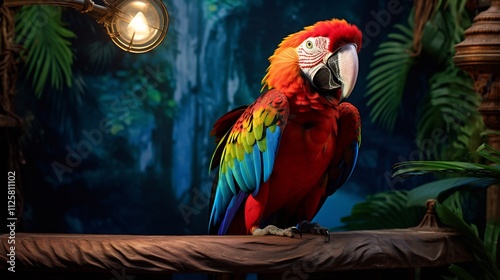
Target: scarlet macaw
282 156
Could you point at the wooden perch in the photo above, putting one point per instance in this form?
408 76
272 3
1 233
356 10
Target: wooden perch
356 250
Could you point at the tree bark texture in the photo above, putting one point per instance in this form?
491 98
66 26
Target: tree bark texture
356 250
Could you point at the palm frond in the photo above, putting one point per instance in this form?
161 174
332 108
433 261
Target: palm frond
489 153
383 210
435 39
413 168
451 103
458 15
460 273
47 46
491 235
387 78
451 106
99 55
441 189
483 257
60 105
455 168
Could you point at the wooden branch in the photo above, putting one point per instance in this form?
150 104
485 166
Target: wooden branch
356 250
7 121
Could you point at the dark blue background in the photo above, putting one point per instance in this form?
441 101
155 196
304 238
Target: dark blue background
129 152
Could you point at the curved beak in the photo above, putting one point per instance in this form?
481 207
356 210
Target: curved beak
348 66
338 70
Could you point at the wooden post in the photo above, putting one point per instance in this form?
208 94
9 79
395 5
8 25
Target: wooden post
11 125
479 55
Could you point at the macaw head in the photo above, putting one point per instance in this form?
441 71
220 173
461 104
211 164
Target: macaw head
318 66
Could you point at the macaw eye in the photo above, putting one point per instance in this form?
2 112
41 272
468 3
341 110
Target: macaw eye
309 44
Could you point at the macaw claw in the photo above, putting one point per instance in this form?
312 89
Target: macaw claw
274 230
296 230
315 228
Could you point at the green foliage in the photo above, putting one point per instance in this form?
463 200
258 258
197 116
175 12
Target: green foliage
135 98
450 213
489 153
100 55
465 175
451 105
383 211
412 168
47 46
387 79
484 251
449 102
441 189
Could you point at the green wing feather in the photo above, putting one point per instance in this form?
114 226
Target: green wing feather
247 152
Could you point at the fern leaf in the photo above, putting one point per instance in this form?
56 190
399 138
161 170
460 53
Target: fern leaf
482 256
100 55
412 168
441 189
491 235
451 104
48 54
488 152
387 77
383 210
406 30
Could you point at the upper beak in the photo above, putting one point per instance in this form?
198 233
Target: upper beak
348 65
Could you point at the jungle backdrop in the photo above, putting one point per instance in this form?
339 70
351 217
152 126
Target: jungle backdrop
119 142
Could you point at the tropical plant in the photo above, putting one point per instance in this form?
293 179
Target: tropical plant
389 72
448 102
133 98
465 175
99 55
383 210
46 46
484 251
402 209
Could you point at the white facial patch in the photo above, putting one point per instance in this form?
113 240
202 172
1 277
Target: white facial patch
312 51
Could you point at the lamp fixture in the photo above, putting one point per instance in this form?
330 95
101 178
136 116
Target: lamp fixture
136 26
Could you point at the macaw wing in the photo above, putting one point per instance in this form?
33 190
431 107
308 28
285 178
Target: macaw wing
343 169
220 129
346 151
248 155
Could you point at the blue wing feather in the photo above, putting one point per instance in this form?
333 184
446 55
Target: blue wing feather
257 156
248 166
230 180
247 179
269 155
238 176
231 210
247 175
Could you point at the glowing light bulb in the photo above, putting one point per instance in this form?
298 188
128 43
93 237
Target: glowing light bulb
139 26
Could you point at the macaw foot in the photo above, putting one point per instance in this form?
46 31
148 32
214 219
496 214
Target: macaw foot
315 228
274 230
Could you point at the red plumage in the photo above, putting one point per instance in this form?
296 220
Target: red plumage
318 142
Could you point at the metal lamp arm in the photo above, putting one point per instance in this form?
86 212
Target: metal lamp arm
117 18
88 7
